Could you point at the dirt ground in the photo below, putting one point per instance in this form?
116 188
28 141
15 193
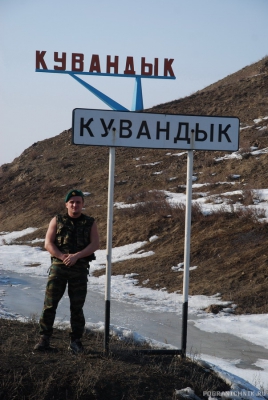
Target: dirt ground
123 373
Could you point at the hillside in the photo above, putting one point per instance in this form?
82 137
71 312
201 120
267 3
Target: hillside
228 248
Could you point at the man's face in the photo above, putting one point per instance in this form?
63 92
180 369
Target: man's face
74 206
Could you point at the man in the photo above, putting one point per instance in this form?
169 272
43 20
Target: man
71 240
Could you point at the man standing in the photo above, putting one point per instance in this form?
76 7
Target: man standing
71 240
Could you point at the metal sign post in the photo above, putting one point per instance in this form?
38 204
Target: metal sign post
187 244
109 247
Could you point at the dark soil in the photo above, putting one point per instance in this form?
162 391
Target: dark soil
123 373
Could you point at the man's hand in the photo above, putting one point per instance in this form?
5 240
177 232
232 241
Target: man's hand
70 259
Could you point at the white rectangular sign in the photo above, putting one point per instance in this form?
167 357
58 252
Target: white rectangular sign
155 131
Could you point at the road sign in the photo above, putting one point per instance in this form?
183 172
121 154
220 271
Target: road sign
158 131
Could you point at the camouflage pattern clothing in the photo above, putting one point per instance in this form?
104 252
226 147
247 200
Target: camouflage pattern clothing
72 236
58 278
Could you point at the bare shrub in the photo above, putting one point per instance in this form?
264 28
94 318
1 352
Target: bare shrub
245 149
223 211
152 202
209 160
34 155
248 196
156 202
234 198
211 178
197 213
181 189
177 211
262 132
49 158
195 196
144 195
253 214
65 164
148 208
152 207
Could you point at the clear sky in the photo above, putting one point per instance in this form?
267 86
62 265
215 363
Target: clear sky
208 39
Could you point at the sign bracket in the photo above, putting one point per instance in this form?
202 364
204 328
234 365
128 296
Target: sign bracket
107 100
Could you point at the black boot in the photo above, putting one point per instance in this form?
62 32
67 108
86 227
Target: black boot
43 344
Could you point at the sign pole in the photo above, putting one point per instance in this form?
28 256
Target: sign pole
109 247
187 242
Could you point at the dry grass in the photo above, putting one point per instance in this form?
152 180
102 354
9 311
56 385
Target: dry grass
121 374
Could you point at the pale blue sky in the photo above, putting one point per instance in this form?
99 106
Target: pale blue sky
208 39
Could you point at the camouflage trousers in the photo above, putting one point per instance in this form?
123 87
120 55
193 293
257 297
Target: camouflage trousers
59 277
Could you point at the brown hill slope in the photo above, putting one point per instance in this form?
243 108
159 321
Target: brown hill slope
243 94
228 248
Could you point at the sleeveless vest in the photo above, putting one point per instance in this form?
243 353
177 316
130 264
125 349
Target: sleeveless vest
72 237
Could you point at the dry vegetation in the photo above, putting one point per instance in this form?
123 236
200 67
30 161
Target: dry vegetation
121 374
229 248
